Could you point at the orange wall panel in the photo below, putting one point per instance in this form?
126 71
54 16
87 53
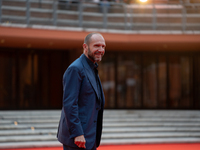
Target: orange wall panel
65 40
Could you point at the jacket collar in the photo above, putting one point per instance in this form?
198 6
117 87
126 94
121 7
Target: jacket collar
89 72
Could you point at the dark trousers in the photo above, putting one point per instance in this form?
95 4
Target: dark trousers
65 147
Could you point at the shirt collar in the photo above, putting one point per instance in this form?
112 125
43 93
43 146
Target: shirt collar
91 64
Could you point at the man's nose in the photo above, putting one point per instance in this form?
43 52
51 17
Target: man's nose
101 49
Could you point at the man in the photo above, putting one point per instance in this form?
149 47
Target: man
80 124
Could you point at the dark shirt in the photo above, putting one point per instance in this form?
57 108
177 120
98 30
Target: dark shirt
94 67
91 64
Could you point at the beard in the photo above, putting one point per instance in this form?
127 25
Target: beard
93 57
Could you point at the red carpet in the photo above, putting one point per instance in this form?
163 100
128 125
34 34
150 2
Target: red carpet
193 146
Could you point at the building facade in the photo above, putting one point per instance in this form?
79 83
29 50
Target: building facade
138 71
152 58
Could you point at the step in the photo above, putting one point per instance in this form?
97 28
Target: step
39 128
34 131
29 126
106 120
52 137
107 113
150 124
149 135
28 138
150 129
29 144
28 132
105 124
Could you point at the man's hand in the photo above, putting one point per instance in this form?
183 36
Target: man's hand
80 141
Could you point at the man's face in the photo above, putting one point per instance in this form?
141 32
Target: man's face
96 49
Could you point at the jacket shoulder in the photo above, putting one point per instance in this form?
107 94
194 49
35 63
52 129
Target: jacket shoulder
77 66
77 63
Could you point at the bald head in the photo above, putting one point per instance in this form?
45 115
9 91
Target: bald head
89 36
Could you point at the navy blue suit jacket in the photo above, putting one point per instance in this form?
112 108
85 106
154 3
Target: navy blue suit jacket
82 111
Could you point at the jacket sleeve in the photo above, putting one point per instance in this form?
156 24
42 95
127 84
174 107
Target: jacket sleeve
71 88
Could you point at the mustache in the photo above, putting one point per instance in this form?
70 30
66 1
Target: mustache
98 53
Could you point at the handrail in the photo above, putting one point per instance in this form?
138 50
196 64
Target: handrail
86 14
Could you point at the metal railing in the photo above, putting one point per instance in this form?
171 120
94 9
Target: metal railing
87 14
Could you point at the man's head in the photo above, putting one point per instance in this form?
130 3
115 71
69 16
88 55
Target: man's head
94 47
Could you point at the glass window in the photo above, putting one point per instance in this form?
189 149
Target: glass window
121 81
180 81
162 81
196 82
129 81
28 79
150 81
7 80
33 79
107 76
174 81
186 81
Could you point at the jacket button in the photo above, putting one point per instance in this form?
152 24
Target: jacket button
95 121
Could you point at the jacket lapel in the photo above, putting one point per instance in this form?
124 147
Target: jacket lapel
103 98
89 74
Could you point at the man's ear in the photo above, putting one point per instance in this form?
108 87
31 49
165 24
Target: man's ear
85 47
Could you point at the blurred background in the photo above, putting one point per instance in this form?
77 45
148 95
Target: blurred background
152 59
